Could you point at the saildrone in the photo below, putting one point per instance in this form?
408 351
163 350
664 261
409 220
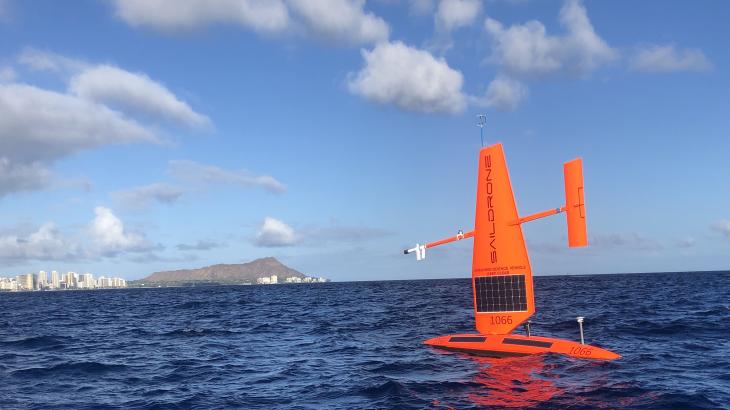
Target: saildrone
501 274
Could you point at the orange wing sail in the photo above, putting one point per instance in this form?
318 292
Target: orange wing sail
575 203
501 273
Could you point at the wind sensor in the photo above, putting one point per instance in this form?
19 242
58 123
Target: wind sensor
481 122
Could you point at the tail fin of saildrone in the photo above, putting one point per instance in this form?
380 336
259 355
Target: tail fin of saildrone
575 203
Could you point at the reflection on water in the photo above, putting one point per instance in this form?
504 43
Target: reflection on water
515 382
508 382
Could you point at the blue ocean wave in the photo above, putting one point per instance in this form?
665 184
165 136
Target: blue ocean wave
359 346
69 369
34 342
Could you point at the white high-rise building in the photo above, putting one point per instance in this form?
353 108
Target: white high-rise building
104 282
42 279
55 280
71 280
88 280
8 284
25 282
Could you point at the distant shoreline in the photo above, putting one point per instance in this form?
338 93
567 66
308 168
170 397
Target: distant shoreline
202 284
58 290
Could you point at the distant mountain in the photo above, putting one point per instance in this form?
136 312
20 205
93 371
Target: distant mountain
241 272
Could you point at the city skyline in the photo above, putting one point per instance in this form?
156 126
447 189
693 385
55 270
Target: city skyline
57 281
137 140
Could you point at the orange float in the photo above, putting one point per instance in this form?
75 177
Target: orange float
501 273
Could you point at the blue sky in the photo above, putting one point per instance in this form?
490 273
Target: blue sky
139 136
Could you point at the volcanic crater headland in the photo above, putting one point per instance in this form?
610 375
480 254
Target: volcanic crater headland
252 272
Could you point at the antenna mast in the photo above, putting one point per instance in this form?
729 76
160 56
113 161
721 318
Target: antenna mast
481 122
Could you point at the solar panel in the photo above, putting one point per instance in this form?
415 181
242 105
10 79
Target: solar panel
501 293
467 339
522 342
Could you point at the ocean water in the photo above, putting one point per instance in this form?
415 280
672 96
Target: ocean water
358 345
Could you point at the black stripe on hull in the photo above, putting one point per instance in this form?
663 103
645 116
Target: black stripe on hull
486 353
523 342
478 339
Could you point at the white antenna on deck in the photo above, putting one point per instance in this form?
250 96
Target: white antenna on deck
481 122
580 324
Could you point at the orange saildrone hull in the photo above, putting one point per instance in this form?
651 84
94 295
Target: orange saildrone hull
518 345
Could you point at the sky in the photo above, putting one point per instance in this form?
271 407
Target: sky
138 136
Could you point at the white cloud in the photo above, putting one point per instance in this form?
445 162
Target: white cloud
105 236
453 14
421 7
193 172
201 245
151 257
40 124
528 50
190 172
265 16
337 21
4 10
722 226
133 92
275 233
143 196
102 107
340 234
109 236
409 78
665 59
47 61
505 93
7 75
47 243
341 20
632 241
687 242
18 177
523 48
